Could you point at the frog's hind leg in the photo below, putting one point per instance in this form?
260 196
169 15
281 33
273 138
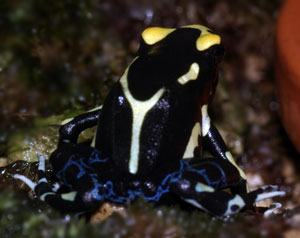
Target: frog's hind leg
70 161
202 184
65 202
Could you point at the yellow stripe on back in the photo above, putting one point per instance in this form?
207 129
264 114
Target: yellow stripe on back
139 111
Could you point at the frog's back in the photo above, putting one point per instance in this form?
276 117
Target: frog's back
149 116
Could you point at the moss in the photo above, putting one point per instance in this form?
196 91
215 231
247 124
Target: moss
140 220
41 137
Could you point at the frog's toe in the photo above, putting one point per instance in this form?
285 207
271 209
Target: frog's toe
41 174
218 202
274 206
65 202
42 160
269 187
55 187
41 187
267 191
25 180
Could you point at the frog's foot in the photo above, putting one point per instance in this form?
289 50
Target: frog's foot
266 191
270 211
41 176
262 193
64 202
218 202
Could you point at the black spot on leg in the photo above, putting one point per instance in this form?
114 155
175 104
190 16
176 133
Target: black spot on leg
234 207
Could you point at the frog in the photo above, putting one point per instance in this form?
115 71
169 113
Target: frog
150 135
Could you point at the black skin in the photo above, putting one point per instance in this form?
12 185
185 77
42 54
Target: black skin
174 115
69 132
100 174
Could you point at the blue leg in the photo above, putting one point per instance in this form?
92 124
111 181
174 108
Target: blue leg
202 183
73 201
86 173
75 165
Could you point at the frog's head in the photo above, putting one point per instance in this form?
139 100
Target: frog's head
175 57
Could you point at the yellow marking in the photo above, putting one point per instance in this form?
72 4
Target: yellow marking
200 187
237 200
93 143
205 120
152 35
42 180
206 39
25 180
95 108
139 111
66 121
269 195
196 204
231 159
199 27
192 74
193 141
69 196
42 197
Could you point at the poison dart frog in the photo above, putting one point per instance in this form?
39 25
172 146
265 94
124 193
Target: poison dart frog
150 134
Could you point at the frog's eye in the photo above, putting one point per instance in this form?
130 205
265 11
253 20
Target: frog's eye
154 34
206 39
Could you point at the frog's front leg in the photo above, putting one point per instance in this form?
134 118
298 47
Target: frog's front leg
201 183
215 144
71 128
